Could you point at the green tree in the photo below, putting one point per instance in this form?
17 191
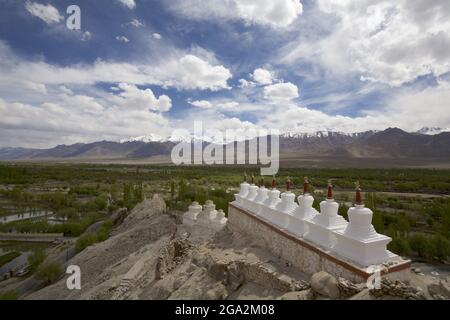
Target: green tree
403 226
49 272
420 244
35 259
378 222
399 246
440 247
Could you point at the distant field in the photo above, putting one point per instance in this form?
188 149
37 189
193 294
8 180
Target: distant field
286 161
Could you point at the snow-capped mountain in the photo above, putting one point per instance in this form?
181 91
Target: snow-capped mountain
191 138
146 139
392 142
432 130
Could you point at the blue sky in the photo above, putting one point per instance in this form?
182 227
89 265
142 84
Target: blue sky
141 67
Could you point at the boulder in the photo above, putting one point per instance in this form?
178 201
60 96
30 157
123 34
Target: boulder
325 284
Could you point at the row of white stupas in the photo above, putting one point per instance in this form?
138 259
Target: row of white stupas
355 240
205 216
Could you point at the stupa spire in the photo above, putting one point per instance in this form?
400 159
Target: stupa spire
288 184
358 197
330 190
305 185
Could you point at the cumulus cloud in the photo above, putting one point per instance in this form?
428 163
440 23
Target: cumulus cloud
245 83
47 13
273 13
281 91
201 104
182 72
191 72
412 109
130 4
262 76
387 42
42 105
72 119
122 39
133 97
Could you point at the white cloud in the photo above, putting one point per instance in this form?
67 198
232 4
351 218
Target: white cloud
133 97
191 72
65 90
274 13
412 109
180 71
157 36
136 23
130 4
47 13
245 83
66 117
281 91
220 105
228 106
86 36
262 76
37 87
384 41
122 39
201 104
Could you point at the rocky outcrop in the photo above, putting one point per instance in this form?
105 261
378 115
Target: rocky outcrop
440 291
153 255
397 289
325 284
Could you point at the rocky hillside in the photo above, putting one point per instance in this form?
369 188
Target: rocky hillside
152 255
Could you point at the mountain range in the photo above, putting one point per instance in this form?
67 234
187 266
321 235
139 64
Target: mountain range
389 143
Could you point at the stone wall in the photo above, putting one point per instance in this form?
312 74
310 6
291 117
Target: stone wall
300 252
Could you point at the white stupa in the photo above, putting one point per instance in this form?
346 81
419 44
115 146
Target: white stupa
273 198
303 212
260 198
359 242
251 195
190 216
208 213
243 191
285 207
219 220
322 225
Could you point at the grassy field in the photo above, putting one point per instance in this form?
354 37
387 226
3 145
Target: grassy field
410 205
